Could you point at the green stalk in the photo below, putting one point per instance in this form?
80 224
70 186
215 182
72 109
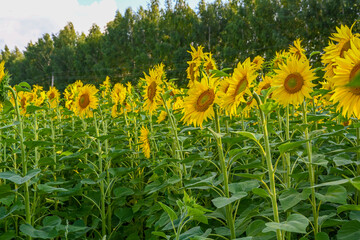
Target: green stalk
229 217
287 155
358 166
269 166
23 158
311 171
102 193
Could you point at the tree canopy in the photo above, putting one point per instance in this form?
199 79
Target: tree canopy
134 41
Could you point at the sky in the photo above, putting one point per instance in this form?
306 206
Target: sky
22 21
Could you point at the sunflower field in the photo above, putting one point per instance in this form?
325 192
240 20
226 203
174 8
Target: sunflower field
267 150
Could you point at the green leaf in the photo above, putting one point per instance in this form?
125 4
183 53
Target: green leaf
47 232
347 207
251 176
350 230
169 211
321 236
4 214
50 189
295 223
334 194
355 182
224 201
290 197
261 192
289 146
8 235
13 177
160 234
51 221
123 192
250 135
245 186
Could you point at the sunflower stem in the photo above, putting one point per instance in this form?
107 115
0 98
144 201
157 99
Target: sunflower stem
229 213
102 193
23 158
270 168
358 166
311 170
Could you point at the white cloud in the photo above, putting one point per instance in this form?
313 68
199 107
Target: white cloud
24 20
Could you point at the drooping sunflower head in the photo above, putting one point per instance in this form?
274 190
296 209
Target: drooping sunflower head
196 53
118 93
53 96
4 82
153 89
280 58
239 85
209 63
24 99
198 105
145 142
297 50
105 87
162 116
258 61
264 84
293 80
38 96
193 71
86 100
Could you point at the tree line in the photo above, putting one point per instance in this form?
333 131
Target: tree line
134 41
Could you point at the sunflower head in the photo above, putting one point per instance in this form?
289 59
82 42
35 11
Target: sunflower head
239 85
86 100
297 50
118 93
105 87
293 81
258 61
264 84
161 117
145 142
53 96
198 105
4 82
209 63
153 88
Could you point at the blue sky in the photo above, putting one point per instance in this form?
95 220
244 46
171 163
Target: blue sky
22 21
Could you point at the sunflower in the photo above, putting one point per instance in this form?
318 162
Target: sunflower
279 58
2 70
258 61
198 105
193 71
38 95
240 83
118 94
105 86
264 84
161 117
293 80
209 63
53 95
24 100
345 72
86 100
153 88
129 87
297 50
145 142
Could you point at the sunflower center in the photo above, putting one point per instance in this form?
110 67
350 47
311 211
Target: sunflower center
241 86
52 95
151 92
293 83
192 71
209 67
205 100
84 100
344 49
23 102
355 71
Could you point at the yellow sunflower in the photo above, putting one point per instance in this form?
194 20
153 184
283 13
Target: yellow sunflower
161 117
258 61
297 50
53 95
145 142
2 70
24 99
209 63
153 88
293 80
345 72
118 94
279 58
240 83
198 105
264 84
105 86
86 100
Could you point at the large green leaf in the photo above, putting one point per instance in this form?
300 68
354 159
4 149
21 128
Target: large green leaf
224 201
350 230
15 178
334 194
348 207
47 232
295 223
169 211
291 197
